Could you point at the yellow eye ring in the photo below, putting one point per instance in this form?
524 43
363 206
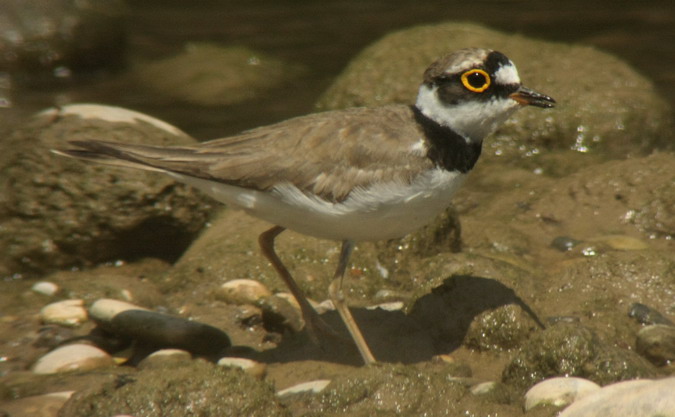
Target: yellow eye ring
476 80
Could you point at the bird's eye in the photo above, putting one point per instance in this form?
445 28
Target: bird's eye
476 80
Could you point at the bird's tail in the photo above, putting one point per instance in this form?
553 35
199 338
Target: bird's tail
149 158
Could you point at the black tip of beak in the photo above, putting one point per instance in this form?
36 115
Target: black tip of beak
528 97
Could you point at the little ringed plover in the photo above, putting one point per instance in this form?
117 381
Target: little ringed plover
360 174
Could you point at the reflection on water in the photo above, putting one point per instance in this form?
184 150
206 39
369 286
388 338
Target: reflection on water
323 36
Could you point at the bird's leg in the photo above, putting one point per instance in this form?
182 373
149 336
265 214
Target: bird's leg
312 319
338 298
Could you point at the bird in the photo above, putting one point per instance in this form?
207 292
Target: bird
350 175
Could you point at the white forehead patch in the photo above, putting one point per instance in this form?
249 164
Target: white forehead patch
507 74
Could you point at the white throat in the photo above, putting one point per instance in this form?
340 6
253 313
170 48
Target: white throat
473 120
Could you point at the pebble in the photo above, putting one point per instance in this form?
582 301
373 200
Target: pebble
636 398
251 367
564 243
105 309
389 306
313 387
492 391
657 343
158 330
647 315
242 291
558 392
65 313
76 357
45 288
163 357
291 299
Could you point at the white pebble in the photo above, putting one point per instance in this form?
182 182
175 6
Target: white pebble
64 313
315 386
483 388
160 358
389 306
289 297
243 291
105 309
559 391
76 357
45 288
249 366
637 398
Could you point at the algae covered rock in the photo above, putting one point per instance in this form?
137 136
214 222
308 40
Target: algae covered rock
194 389
56 212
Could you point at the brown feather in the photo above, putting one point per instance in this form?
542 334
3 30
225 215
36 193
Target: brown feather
327 154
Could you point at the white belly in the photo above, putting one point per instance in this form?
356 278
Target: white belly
383 211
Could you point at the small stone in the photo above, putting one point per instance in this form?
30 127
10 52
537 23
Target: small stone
657 343
558 392
65 313
313 387
647 315
105 309
291 299
251 367
390 306
243 291
493 391
158 330
164 357
634 398
76 357
564 243
45 288
483 388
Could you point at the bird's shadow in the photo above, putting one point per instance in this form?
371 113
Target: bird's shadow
436 323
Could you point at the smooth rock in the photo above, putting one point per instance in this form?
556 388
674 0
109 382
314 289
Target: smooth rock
657 343
251 367
637 398
45 288
493 391
313 387
645 314
105 309
65 313
243 291
390 306
158 330
75 357
558 392
164 357
292 301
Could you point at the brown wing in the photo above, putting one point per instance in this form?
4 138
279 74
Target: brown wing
325 153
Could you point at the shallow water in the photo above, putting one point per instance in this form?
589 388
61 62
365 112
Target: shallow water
324 36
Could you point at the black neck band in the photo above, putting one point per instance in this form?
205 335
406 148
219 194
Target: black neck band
447 148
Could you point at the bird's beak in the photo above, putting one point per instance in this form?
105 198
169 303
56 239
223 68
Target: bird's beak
527 97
